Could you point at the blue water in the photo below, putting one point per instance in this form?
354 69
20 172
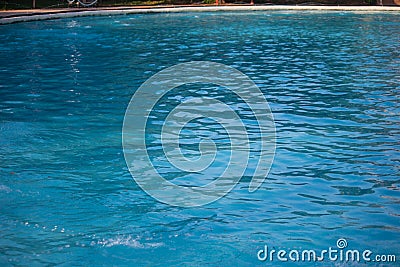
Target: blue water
66 195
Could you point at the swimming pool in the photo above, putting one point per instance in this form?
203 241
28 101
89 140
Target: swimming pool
332 80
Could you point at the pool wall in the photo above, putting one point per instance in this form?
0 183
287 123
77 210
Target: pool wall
65 13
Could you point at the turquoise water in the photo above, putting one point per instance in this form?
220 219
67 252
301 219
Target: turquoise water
66 195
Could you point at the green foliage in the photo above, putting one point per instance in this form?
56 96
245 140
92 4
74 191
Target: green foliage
24 4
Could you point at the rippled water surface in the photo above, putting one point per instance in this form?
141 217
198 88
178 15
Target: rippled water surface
66 196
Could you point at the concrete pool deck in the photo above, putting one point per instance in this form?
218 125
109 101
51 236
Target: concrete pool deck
13 16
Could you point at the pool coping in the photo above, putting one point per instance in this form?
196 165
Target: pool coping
46 14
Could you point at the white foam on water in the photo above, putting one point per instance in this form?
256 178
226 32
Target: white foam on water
127 241
4 188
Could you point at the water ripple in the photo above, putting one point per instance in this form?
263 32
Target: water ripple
332 80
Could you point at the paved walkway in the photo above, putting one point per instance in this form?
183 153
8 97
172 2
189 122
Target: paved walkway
30 12
13 16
